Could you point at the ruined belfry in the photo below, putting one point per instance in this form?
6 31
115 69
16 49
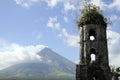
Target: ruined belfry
94 62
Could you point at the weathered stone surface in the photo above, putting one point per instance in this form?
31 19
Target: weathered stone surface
99 68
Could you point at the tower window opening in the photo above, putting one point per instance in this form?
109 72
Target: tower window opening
92 57
92 35
94 78
92 38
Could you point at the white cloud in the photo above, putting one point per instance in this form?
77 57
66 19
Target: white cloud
26 3
115 4
114 47
52 3
11 53
99 3
70 40
53 23
65 19
68 6
114 17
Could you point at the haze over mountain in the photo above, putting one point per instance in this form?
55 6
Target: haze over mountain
51 66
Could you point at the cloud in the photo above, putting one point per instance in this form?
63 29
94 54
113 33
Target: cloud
115 4
53 23
26 3
68 6
52 3
12 53
65 19
67 3
114 47
70 40
114 18
99 3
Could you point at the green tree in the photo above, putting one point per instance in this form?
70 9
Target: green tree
91 14
115 72
115 69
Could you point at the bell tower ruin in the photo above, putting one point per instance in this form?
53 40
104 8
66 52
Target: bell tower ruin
94 63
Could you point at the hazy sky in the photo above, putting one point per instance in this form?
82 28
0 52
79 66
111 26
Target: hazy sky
27 26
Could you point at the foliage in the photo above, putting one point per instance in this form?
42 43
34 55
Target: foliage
91 14
115 69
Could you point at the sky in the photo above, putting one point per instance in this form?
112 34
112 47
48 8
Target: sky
28 26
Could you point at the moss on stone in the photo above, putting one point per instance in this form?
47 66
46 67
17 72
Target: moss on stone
91 14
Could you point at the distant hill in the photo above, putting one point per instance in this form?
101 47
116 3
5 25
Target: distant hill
52 67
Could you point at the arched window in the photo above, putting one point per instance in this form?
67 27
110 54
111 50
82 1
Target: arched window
93 78
92 55
92 35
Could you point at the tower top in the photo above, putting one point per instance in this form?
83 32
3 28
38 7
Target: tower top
91 14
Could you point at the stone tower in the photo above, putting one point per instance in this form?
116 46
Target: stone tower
94 64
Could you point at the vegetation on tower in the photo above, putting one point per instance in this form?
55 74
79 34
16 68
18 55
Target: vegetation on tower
91 14
115 70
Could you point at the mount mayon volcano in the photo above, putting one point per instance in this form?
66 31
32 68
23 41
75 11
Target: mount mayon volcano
52 66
